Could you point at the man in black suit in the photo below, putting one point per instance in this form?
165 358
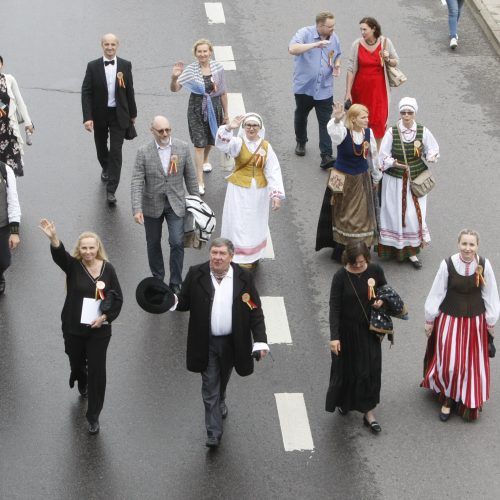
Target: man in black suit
108 106
225 314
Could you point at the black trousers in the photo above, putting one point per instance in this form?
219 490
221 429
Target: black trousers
110 158
87 359
304 104
4 248
214 381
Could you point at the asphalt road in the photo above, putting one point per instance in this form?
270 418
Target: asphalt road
151 443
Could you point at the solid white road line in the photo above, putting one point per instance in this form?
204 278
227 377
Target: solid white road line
278 331
235 104
294 423
224 55
215 13
269 250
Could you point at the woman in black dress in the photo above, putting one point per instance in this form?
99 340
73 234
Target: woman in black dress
12 110
356 352
89 277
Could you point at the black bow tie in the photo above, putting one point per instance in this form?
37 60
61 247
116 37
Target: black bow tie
109 62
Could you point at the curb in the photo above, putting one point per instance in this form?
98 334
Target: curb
489 25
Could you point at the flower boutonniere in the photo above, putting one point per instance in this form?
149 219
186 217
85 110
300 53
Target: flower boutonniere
172 169
121 81
248 301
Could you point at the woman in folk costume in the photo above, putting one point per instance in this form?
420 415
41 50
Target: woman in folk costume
255 180
349 216
207 108
460 315
403 230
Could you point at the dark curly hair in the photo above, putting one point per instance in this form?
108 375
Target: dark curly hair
374 25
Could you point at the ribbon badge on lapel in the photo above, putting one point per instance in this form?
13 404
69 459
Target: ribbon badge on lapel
261 154
99 290
172 169
2 113
248 301
331 57
480 276
417 149
371 289
366 148
121 81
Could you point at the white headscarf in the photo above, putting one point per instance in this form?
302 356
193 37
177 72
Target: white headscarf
408 104
252 118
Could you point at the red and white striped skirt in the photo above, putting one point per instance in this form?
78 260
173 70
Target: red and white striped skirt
459 366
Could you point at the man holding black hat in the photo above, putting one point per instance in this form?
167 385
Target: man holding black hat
225 314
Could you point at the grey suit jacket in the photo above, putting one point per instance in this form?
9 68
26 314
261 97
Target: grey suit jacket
150 184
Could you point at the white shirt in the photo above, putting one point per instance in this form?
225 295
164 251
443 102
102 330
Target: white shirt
221 321
164 153
13 207
110 71
489 291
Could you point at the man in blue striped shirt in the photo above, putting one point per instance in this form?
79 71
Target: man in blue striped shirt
317 61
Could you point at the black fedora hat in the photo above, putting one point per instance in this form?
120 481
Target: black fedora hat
154 296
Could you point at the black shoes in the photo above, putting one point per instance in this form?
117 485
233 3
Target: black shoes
82 389
212 442
2 284
104 176
326 162
111 199
94 427
373 425
300 149
342 411
416 264
175 287
444 416
223 409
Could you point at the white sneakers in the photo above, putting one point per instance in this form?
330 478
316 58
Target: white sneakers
207 167
201 189
453 43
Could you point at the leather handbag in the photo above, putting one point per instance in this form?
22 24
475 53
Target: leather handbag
395 76
336 181
423 183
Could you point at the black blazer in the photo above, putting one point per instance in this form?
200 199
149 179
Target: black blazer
197 295
95 93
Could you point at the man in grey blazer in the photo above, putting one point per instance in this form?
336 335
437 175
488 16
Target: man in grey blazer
160 170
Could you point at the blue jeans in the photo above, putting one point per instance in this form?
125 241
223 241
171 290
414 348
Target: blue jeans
454 10
323 110
153 227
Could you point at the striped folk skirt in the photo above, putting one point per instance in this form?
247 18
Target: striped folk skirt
456 365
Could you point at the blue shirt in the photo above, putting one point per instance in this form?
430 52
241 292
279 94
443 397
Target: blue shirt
312 73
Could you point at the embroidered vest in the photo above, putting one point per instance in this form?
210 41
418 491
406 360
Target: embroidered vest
349 162
417 165
245 170
463 297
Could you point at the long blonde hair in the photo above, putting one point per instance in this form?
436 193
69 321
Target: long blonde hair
101 253
354 111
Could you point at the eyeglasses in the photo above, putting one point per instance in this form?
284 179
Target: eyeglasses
407 112
251 125
163 130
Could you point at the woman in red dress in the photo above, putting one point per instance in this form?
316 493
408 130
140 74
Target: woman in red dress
367 81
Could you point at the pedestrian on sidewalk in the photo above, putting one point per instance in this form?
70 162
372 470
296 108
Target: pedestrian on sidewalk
207 108
460 315
454 11
93 300
317 60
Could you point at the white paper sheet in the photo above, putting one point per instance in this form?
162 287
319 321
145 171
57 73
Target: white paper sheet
90 310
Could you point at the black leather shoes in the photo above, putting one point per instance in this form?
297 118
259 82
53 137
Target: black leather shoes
300 149
416 264
2 284
223 409
326 162
444 417
72 379
104 176
212 442
82 389
111 199
175 287
94 427
373 425
342 411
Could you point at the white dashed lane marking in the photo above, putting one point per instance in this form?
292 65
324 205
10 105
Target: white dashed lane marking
294 423
278 331
235 104
224 55
215 13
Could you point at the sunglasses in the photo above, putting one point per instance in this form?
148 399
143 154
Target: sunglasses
407 112
163 130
